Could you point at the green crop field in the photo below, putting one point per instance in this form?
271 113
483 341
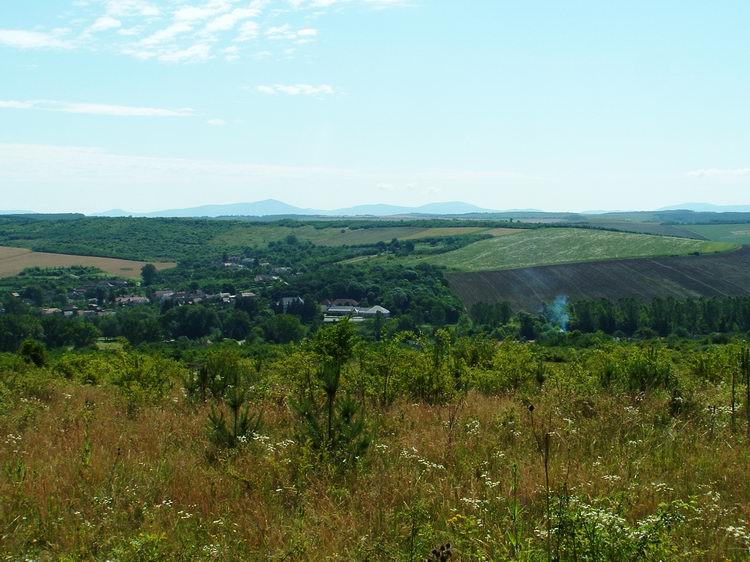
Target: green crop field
730 233
565 245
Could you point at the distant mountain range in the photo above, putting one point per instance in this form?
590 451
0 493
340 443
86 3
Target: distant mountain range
708 208
275 208
272 207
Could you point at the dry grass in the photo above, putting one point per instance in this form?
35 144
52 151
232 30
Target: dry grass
85 476
14 260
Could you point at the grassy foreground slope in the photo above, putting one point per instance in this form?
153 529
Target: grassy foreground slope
718 275
566 245
629 454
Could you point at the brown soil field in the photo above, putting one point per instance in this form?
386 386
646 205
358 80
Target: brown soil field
717 275
14 260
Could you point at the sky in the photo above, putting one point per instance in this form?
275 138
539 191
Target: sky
577 105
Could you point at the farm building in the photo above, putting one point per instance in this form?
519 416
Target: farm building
355 313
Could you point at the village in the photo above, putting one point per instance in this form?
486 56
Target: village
105 297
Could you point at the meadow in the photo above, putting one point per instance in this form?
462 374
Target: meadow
537 247
505 451
730 233
258 235
14 260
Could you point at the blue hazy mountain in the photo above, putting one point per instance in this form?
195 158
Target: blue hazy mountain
272 207
708 208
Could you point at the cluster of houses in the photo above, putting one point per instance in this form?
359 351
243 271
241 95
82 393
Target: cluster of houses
69 311
333 311
238 262
336 310
183 297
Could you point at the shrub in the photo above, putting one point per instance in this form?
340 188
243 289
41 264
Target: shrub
33 352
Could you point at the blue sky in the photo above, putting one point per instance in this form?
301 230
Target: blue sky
578 105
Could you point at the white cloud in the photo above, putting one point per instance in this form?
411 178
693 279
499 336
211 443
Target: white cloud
94 108
296 89
228 21
104 23
167 34
35 163
288 33
720 173
13 104
100 179
216 122
179 31
427 190
248 31
23 39
318 4
386 3
199 13
231 53
132 8
195 53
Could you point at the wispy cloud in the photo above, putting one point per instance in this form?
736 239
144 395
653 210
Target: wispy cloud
194 53
98 176
166 34
14 104
429 190
90 164
132 8
317 4
179 31
248 31
720 173
228 21
289 33
94 108
296 89
104 23
24 39
216 122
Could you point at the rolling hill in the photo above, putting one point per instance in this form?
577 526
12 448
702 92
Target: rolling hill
718 275
530 248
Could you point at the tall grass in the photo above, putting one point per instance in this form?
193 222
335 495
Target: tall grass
595 473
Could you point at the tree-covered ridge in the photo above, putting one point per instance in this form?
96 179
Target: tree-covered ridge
156 239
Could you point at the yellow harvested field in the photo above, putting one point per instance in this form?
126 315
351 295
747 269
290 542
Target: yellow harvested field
14 260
